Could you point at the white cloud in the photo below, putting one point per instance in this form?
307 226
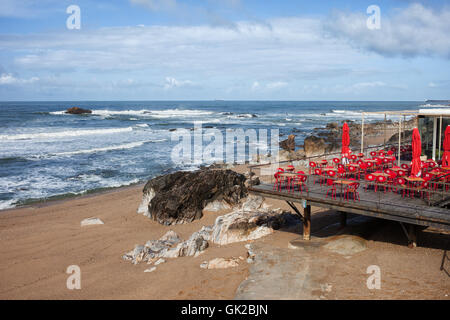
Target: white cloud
8 78
276 85
174 83
156 5
413 31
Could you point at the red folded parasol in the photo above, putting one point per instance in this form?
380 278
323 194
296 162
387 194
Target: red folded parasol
345 140
416 153
446 155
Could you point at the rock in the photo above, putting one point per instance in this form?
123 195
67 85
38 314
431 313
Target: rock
91 221
150 269
170 246
314 146
76 110
289 143
253 202
180 197
217 205
346 245
242 225
159 261
220 263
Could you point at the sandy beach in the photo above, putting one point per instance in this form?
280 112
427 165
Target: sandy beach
39 242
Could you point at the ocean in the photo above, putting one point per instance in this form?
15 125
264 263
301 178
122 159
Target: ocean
45 153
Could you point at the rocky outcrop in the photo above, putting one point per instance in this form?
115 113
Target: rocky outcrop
169 246
180 197
76 110
314 146
328 139
242 225
239 225
289 143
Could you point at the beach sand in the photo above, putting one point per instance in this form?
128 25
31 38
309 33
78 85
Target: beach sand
39 242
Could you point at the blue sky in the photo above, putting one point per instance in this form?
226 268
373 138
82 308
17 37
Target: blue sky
224 49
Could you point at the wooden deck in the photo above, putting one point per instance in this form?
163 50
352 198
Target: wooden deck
389 205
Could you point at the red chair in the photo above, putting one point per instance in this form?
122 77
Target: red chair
318 173
401 173
301 181
312 166
369 166
362 169
360 155
404 166
278 180
373 154
352 171
423 189
390 153
331 185
352 189
401 183
370 180
381 182
336 161
353 157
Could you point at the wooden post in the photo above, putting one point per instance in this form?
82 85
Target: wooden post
307 222
362 134
384 144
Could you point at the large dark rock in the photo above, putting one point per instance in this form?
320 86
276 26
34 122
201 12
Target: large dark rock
288 144
314 146
181 196
76 110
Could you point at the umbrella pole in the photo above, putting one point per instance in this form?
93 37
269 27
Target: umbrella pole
399 139
440 136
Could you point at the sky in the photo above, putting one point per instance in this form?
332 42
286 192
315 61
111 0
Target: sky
224 49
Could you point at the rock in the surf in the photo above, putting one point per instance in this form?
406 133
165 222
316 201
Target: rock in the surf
76 110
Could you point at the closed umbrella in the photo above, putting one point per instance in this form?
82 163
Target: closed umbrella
446 155
416 153
345 142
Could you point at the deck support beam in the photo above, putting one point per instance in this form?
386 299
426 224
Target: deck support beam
307 223
411 233
292 205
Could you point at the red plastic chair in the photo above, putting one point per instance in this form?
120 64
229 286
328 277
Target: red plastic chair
278 180
336 161
381 182
370 180
312 166
352 171
353 157
318 173
352 189
373 154
401 182
331 185
301 181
